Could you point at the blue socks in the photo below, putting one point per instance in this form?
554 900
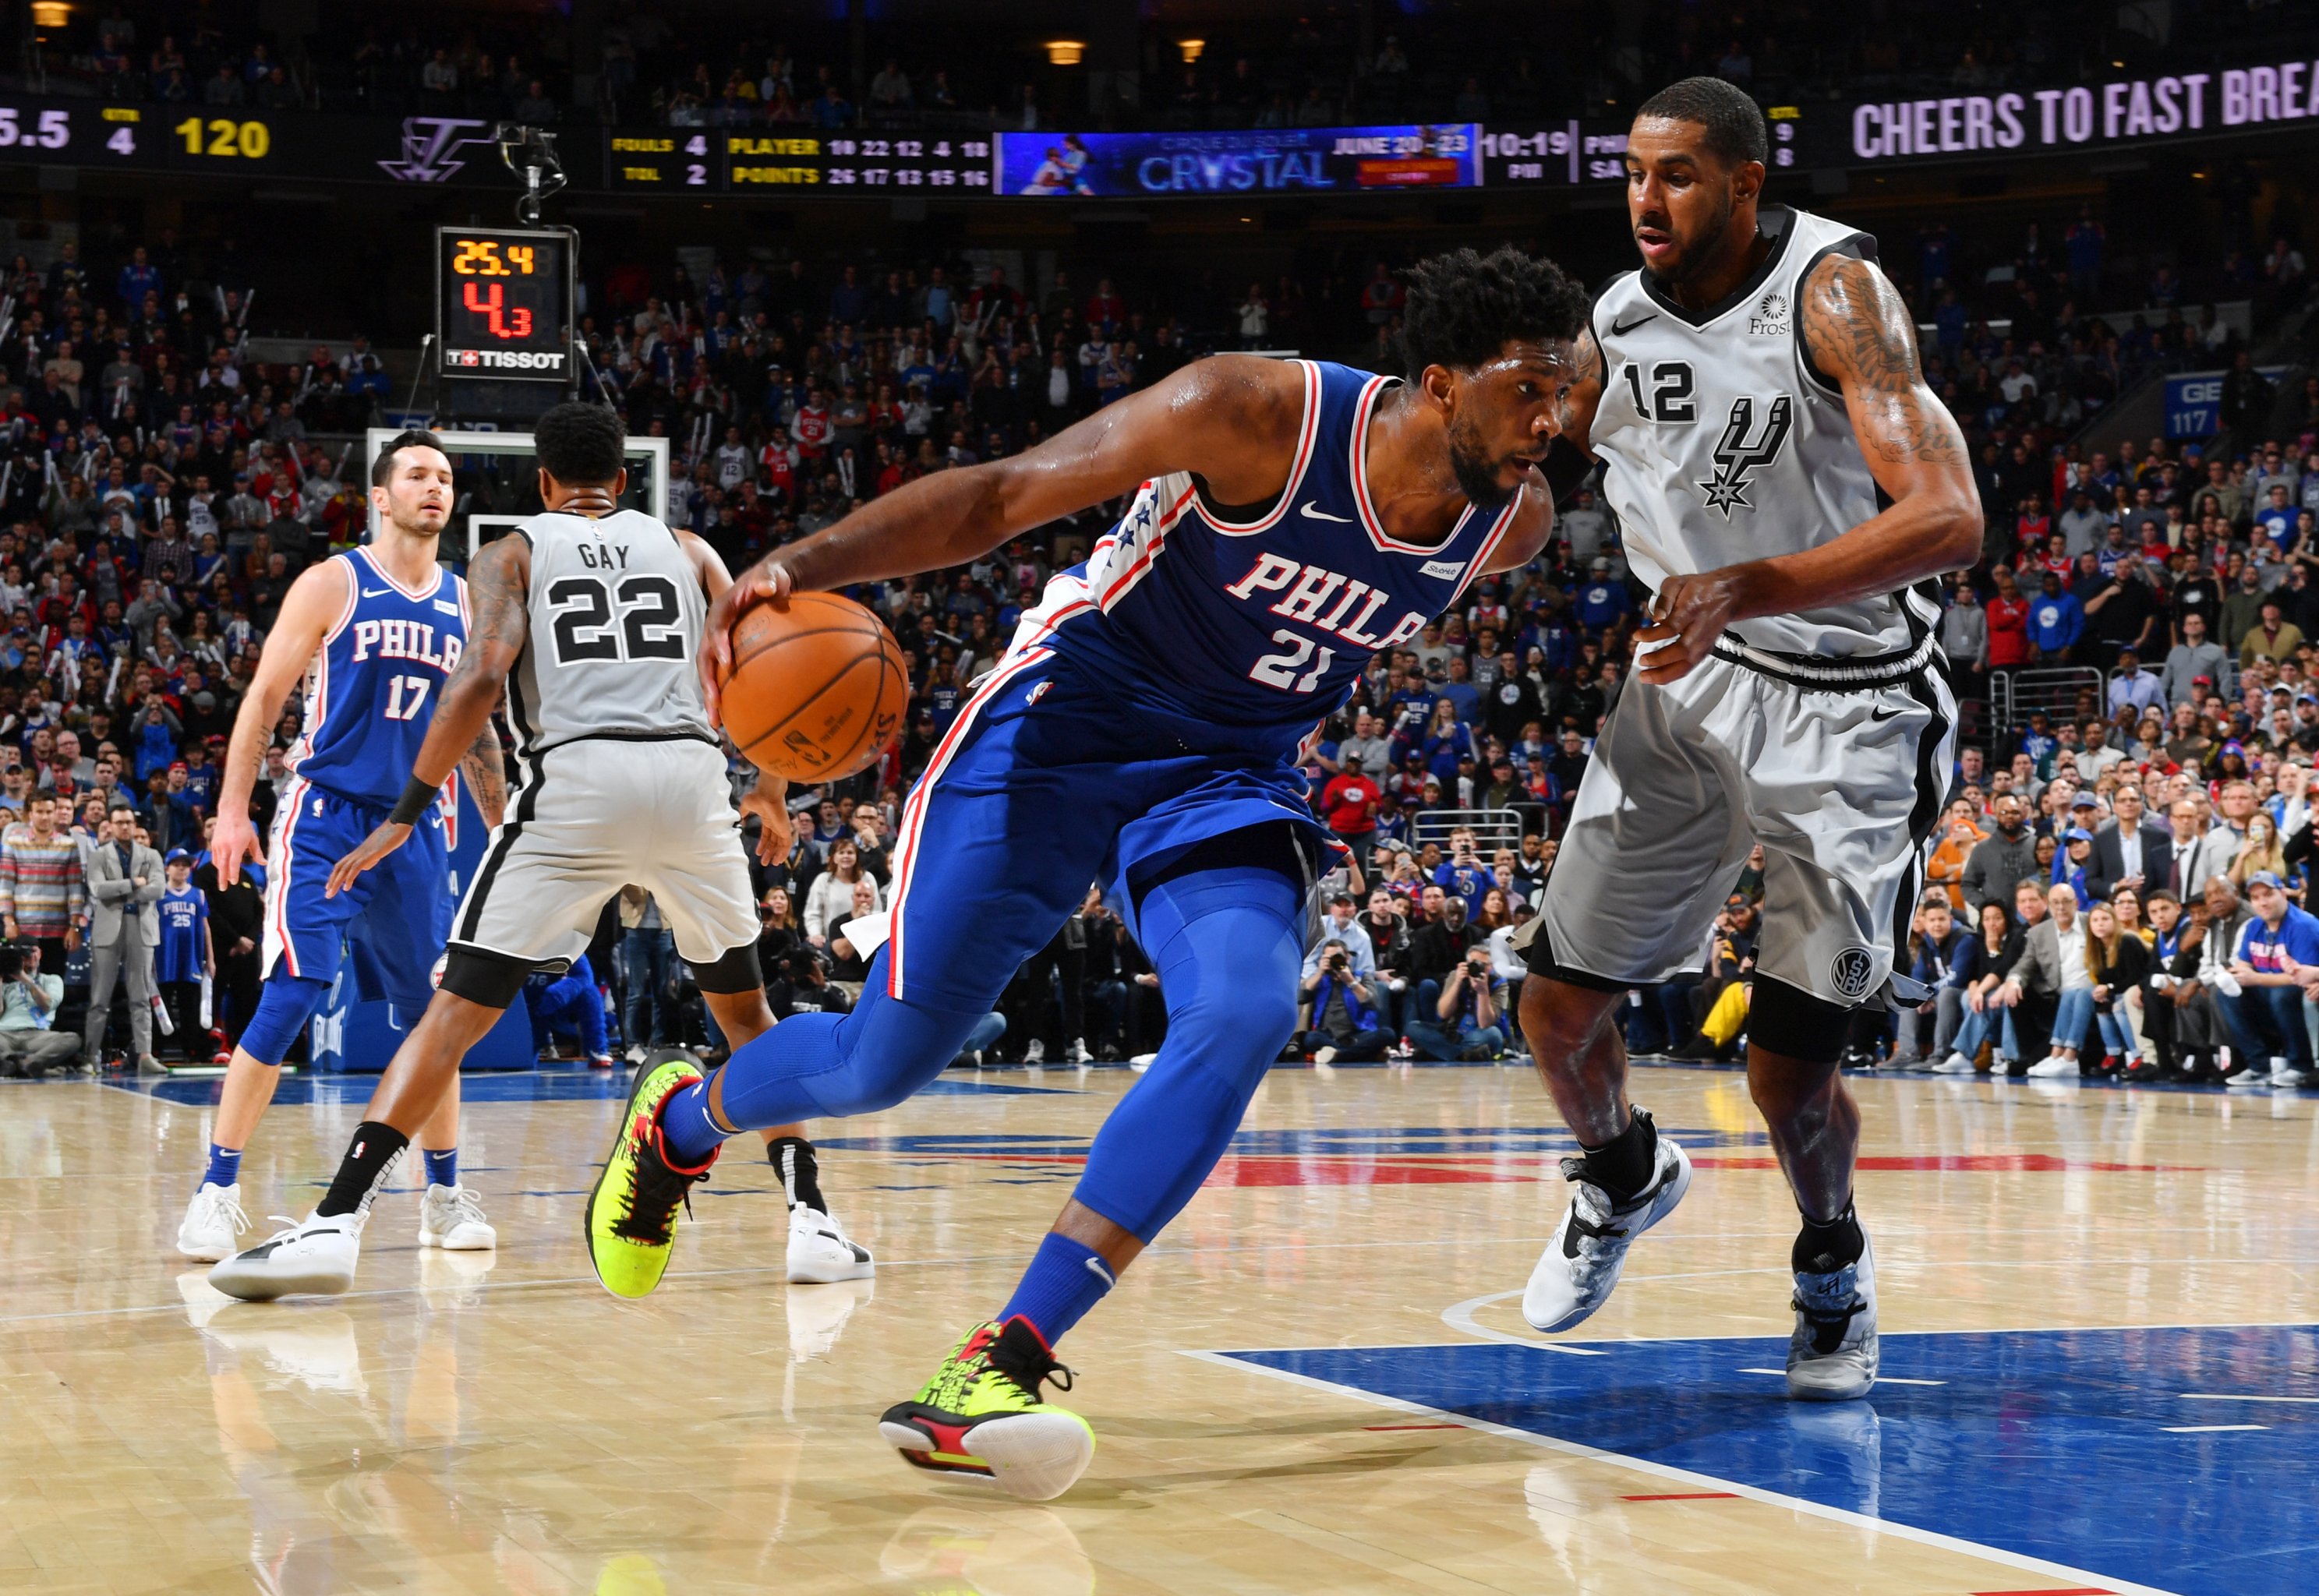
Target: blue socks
689 1137
1065 1280
442 1167
225 1166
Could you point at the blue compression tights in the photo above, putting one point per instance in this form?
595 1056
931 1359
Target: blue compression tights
1227 943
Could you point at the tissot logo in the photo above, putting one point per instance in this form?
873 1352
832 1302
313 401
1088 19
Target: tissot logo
430 144
540 360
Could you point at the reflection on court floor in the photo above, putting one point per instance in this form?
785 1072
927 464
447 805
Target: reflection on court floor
2179 1458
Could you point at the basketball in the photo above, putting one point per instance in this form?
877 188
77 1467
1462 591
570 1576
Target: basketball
816 690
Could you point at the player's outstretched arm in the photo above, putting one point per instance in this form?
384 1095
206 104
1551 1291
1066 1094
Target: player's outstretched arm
1857 331
769 799
499 582
310 609
1227 418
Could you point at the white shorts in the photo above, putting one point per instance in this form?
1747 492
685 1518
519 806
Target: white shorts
601 814
1840 785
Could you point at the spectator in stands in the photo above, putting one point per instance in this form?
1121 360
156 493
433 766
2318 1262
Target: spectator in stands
829 901
29 1045
1466 1010
1351 802
43 890
1341 1019
2196 659
2266 1013
2000 859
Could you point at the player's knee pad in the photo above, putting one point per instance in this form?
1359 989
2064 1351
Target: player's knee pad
1228 953
285 1003
1791 1022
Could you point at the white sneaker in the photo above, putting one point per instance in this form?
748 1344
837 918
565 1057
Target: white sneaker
1077 1053
1954 1064
820 1252
314 1256
2285 1075
1034 1051
1580 1265
1832 1355
2053 1067
2247 1080
452 1217
214 1221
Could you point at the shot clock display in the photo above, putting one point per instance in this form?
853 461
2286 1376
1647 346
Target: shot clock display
504 304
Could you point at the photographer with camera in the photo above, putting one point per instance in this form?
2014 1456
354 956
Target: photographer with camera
1467 1013
28 1009
1341 1022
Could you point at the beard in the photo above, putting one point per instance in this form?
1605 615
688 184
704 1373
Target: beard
1688 259
1477 473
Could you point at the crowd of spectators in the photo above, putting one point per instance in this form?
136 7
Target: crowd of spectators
1476 63
160 491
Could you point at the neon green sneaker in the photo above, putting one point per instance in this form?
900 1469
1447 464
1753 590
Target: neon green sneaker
981 1414
631 1217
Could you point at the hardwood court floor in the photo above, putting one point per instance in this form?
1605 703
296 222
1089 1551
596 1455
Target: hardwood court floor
464 1425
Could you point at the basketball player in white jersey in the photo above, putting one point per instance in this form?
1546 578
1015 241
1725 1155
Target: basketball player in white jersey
1784 477
590 617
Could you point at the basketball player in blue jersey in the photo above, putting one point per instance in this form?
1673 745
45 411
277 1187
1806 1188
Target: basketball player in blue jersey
374 633
1285 520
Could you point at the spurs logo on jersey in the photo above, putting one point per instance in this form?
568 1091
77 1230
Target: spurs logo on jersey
1724 444
1744 451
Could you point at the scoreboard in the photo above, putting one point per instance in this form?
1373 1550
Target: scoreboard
504 304
724 161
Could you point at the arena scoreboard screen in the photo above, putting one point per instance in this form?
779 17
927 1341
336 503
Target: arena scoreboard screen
687 160
504 304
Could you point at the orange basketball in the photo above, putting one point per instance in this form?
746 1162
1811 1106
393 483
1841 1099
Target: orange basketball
816 690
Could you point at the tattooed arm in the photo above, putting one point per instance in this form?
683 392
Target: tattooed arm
486 770
498 584
1856 331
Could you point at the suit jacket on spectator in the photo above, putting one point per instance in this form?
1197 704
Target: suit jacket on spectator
2039 967
2107 866
117 903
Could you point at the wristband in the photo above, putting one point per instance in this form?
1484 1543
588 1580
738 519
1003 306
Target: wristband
416 797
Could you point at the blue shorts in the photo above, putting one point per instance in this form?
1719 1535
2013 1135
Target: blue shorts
393 919
1045 786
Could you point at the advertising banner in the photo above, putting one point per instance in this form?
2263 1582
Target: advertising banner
1257 161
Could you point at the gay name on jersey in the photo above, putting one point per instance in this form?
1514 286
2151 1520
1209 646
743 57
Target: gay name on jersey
1305 590
406 640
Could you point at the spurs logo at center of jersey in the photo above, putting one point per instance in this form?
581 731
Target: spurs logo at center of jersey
1742 452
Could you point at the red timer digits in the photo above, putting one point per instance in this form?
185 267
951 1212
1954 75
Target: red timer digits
504 304
504 322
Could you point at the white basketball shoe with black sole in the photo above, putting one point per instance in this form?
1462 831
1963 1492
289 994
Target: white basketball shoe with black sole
1580 1265
1832 1355
315 1256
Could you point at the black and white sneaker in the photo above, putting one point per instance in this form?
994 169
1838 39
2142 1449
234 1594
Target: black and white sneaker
313 1258
1580 1265
1832 1354
820 1252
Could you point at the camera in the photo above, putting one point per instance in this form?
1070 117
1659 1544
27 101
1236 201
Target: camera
12 963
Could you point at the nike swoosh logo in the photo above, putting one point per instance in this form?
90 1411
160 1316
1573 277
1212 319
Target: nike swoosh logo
1095 1264
1311 514
374 592
1620 329
1884 714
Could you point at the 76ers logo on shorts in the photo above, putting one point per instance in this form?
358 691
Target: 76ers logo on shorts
1850 972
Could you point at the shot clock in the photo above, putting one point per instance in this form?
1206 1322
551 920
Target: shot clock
504 304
